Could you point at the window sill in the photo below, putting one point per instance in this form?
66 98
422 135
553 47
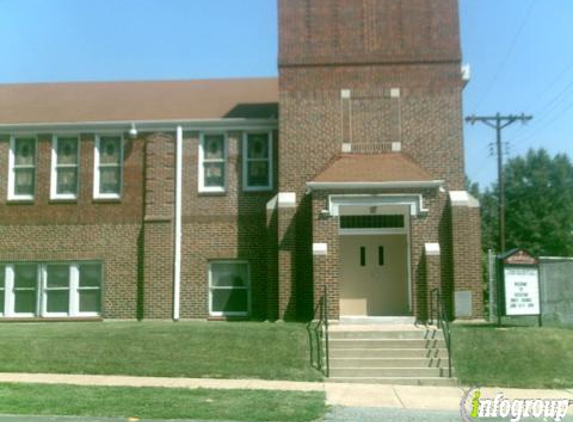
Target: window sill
63 201
18 201
214 193
106 200
5 319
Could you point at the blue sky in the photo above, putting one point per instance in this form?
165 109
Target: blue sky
521 53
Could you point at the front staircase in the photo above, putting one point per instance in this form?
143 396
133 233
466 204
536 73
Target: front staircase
389 354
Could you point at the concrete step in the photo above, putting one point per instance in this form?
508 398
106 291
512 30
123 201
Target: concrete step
376 334
366 372
346 343
388 363
425 381
373 352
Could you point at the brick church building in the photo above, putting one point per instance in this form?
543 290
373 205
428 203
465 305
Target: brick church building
250 198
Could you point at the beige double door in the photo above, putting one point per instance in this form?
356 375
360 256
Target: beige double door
374 275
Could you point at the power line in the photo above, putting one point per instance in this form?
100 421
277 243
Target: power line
507 55
528 138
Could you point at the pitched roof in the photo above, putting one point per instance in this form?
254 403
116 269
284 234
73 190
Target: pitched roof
138 101
386 168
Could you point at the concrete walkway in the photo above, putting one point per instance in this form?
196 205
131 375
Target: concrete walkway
347 395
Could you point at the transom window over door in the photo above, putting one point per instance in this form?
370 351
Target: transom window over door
108 167
212 163
257 161
22 168
65 165
229 288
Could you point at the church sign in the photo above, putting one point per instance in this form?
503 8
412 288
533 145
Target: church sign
521 284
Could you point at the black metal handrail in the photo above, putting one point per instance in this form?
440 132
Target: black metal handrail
318 331
442 322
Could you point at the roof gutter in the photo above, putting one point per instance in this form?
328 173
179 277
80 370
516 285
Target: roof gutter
422 184
141 125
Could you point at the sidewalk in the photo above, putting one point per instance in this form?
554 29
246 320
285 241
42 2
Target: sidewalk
337 394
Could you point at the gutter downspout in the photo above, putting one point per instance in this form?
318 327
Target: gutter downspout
178 203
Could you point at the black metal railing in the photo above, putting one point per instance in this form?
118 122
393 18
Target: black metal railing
438 310
318 336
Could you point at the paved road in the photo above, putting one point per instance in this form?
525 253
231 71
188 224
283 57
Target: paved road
361 414
337 414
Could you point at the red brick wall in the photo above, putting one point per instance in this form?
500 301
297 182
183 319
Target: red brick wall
227 226
85 229
367 31
370 47
467 255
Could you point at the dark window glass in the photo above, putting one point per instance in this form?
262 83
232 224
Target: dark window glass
372 221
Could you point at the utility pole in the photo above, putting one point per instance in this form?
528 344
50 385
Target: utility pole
499 122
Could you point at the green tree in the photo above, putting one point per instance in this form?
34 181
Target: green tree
539 205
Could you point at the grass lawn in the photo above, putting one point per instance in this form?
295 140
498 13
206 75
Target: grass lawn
513 357
183 349
160 403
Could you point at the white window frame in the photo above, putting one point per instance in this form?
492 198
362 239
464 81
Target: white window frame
10 302
77 289
42 291
247 288
3 289
46 290
54 171
246 161
12 167
97 194
203 160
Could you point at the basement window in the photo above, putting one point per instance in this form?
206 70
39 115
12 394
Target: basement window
22 169
65 166
229 288
212 163
257 161
372 221
108 167
50 289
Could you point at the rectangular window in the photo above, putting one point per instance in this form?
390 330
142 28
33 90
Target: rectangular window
89 289
257 161
51 289
57 289
229 288
108 167
22 168
212 163
372 221
362 256
25 289
65 165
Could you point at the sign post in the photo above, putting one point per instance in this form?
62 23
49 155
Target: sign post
521 290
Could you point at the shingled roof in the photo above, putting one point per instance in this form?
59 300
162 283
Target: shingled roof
365 169
138 101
